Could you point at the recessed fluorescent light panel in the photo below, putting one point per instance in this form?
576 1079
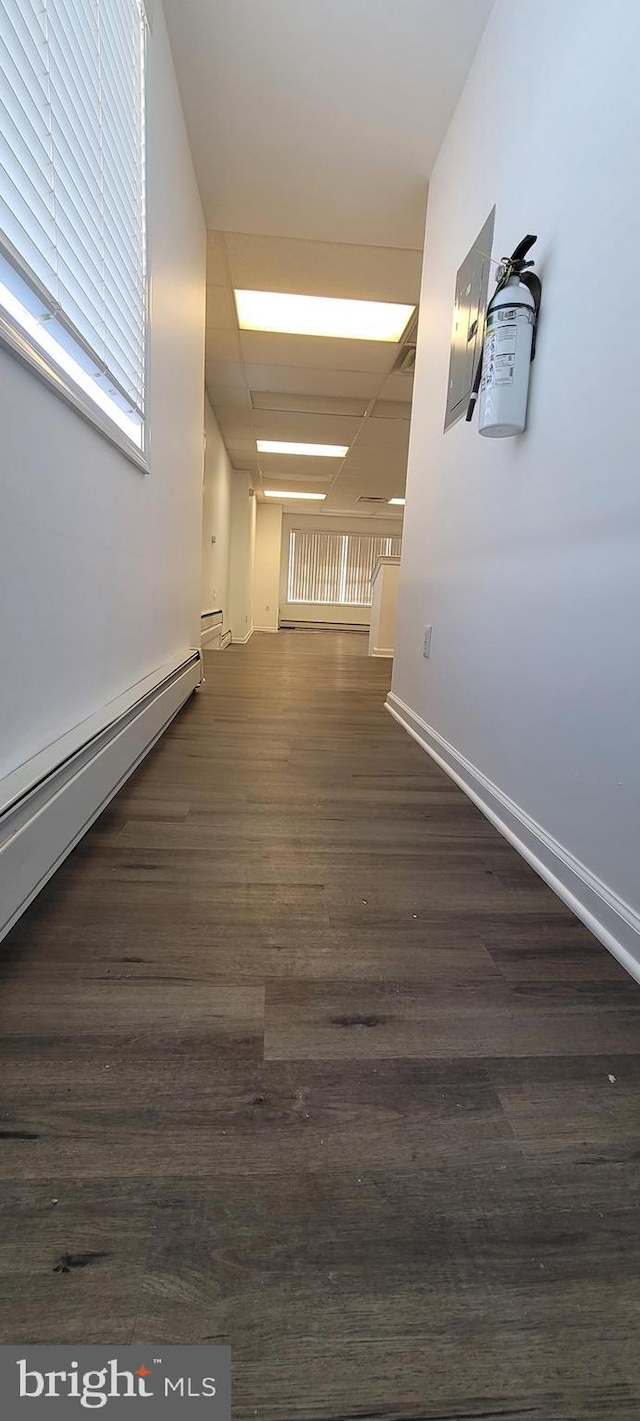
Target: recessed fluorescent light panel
318 451
397 500
280 493
321 316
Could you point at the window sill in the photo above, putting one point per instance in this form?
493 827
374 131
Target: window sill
14 340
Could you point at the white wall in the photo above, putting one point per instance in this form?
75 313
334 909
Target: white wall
216 520
326 523
266 579
525 553
243 551
384 606
100 562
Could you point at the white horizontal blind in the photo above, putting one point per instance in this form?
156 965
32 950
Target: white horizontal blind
362 554
72 191
335 568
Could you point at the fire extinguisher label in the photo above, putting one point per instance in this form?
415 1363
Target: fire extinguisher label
499 358
505 315
505 365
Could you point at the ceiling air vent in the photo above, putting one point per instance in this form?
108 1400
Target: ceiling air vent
406 357
407 361
368 498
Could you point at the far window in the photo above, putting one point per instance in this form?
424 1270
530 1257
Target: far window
72 200
335 569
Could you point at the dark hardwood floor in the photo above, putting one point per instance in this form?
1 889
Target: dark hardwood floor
305 1058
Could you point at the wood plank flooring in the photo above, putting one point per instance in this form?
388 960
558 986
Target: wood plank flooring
308 1060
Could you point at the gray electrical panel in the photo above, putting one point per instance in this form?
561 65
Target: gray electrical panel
467 327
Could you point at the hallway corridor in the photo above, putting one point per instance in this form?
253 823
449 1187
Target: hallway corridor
298 1054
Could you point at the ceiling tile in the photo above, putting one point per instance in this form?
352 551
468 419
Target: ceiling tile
306 484
243 461
378 483
308 404
298 379
308 428
382 484
382 434
221 396
391 409
228 374
226 384
397 386
324 268
221 345
220 311
290 465
236 423
216 264
265 348
394 465
239 444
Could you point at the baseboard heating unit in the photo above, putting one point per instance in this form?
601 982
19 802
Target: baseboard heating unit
287 625
48 803
212 634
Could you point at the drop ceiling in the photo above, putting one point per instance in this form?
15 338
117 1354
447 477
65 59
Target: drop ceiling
312 389
313 126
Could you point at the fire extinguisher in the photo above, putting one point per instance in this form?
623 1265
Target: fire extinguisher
502 377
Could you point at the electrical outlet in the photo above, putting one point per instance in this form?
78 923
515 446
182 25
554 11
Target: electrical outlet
426 645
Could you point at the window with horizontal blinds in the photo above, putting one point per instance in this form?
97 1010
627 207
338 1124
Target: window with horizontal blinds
335 568
72 192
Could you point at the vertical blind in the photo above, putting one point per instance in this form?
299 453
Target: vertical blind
72 189
335 568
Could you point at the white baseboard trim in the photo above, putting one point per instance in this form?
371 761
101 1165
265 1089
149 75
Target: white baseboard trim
382 651
242 640
266 629
48 804
613 921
